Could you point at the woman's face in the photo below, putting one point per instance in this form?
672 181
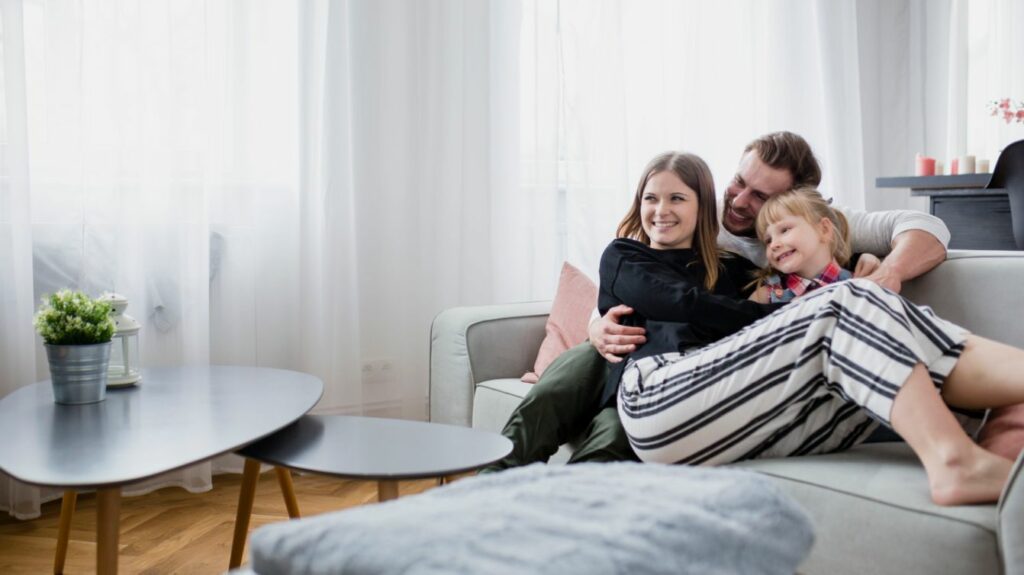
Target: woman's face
668 212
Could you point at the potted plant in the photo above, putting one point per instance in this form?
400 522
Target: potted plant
77 331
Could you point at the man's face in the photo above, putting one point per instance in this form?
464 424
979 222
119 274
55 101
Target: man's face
753 183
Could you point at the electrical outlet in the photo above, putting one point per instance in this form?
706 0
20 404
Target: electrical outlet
378 371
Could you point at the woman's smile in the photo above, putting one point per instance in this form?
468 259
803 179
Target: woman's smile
668 212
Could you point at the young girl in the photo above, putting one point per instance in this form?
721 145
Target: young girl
814 376
807 245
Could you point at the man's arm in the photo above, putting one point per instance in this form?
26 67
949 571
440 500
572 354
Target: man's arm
911 242
914 252
613 340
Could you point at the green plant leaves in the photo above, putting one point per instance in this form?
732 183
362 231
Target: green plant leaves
73 318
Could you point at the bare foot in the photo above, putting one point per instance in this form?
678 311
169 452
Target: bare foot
977 476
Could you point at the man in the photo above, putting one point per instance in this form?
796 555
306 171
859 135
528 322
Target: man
566 402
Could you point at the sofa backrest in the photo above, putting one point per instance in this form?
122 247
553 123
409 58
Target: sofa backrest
983 291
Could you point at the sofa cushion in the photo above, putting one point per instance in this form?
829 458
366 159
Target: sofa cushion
588 518
494 401
566 327
1004 431
862 500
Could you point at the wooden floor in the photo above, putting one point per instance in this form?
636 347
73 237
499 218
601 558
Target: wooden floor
172 530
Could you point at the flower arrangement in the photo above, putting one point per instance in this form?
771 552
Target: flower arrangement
73 318
1007 110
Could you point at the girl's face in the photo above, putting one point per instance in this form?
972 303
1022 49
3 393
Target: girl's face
797 246
668 212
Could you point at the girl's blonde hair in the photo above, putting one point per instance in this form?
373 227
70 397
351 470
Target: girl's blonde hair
807 203
692 171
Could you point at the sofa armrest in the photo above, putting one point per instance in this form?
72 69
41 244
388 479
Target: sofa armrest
473 344
1011 521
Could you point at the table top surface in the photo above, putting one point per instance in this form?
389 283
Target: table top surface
959 181
175 417
373 448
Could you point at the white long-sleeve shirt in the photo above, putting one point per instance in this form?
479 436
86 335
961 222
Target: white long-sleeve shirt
870 233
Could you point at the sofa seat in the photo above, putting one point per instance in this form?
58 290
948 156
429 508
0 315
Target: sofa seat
847 495
861 502
856 499
495 399
499 397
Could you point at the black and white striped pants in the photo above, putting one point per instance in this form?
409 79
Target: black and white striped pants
815 376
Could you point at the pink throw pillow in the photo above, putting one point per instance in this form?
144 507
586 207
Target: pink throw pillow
1003 433
570 316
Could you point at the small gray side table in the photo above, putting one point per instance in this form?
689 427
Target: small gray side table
381 450
176 417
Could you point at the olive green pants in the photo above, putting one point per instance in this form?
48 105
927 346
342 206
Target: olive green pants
563 406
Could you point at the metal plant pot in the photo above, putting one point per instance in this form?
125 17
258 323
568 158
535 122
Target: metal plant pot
79 372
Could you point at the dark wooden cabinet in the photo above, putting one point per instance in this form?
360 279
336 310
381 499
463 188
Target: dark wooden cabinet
978 217
976 223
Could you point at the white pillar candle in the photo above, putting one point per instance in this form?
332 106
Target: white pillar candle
966 164
983 167
938 168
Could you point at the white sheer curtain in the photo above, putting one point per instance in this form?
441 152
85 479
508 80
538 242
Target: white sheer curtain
298 185
408 119
17 365
608 84
994 48
153 158
612 83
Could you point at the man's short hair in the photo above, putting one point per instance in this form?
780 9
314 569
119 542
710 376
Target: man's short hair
788 151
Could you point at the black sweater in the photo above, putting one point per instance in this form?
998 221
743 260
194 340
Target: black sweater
666 290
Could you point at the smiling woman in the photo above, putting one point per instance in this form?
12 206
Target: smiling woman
668 212
674 207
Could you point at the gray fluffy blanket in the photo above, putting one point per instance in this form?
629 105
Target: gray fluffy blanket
591 518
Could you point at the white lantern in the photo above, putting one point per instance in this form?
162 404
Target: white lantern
124 353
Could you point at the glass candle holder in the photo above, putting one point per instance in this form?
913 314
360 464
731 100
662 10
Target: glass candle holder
124 353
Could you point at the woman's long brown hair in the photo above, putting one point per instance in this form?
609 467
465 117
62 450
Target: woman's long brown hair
692 171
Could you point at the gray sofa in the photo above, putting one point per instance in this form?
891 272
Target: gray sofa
870 505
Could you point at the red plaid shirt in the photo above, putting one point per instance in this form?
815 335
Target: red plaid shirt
785 287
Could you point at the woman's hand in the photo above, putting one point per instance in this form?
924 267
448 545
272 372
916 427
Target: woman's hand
613 340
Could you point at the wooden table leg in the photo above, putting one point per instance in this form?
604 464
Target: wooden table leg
387 490
108 515
284 478
67 510
246 495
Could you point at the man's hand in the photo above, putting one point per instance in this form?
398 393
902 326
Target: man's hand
871 268
866 265
611 339
914 252
886 278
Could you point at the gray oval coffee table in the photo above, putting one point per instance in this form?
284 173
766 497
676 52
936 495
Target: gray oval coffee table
176 417
381 450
